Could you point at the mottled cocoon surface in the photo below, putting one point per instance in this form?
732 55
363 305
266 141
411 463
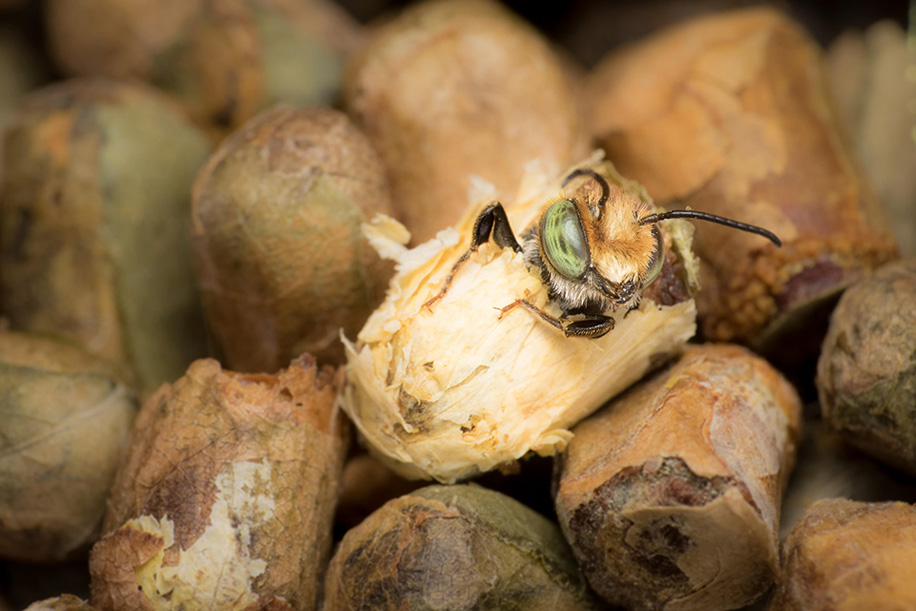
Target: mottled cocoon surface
227 495
670 495
65 419
280 256
95 225
455 547
866 374
847 556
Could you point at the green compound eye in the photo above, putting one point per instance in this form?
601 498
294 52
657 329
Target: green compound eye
563 239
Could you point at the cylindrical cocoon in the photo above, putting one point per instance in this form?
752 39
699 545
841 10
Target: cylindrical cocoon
730 114
452 90
228 59
448 379
95 225
65 420
848 556
866 374
455 547
226 497
670 495
280 256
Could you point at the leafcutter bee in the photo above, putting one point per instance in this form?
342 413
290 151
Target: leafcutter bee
596 254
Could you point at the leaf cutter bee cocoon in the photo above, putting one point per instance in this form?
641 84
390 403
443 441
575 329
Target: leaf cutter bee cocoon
456 372
595 256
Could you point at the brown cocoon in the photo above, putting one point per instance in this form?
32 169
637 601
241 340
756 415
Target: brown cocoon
730 114
670 495
65 419
448 91
866 374
227 59
95 228
281 259
455 547
848 556
226 498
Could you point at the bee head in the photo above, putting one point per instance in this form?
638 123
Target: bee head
595 246
606 248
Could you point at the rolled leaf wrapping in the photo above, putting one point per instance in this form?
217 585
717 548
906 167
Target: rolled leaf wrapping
95 225
846 555
280 256
226 498
455 547
65 418
866 374
670 495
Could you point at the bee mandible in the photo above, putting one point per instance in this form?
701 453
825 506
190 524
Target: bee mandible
594 256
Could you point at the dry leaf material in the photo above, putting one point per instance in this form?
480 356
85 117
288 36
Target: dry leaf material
65 418
65 602
847 556
730 113
670 495
226 498
280 256
453 375
866 374
95 225
455 547
227 59
452 90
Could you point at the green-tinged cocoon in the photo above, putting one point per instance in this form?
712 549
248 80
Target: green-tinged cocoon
455 547
95 225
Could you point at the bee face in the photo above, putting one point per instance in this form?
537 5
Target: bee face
599 253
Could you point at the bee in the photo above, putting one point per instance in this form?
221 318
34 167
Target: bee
595 254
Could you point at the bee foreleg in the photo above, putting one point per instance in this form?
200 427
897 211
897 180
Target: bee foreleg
493 221
448 279
592 326
551 320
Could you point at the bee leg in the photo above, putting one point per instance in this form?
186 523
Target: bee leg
592 326
492 221
448 279
551 320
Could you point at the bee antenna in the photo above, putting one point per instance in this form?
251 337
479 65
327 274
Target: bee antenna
605 189
705 216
